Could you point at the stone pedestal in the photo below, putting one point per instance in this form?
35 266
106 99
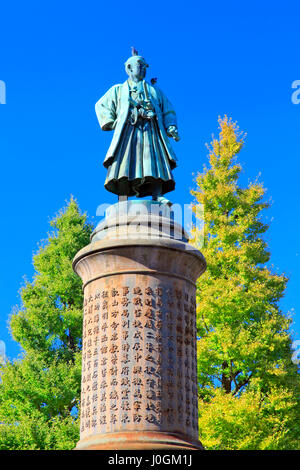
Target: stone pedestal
139 373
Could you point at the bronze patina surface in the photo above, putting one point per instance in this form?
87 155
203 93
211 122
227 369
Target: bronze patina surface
140 158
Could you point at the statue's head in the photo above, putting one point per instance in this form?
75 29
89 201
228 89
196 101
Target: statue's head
136 66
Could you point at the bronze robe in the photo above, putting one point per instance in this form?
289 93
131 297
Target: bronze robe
140 158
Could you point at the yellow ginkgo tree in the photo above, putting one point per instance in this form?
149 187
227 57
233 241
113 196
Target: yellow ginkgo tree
248 383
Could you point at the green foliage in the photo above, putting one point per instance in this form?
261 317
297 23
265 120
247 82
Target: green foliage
40 392
248 385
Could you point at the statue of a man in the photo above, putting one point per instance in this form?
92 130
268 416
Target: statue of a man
140 158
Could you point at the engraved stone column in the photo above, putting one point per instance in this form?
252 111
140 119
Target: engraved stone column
139 372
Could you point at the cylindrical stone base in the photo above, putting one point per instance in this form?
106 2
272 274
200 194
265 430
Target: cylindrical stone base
139 373
138 440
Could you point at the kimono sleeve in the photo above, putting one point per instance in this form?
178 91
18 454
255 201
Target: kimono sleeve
168 113
106 109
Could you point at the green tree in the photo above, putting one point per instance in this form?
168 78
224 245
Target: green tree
248 384
40 392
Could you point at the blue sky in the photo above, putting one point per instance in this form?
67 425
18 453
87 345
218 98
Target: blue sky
211 58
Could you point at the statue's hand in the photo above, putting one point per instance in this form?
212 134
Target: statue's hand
150 115
172 132
146 113
108 126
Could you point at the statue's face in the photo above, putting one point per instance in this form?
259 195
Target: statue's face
137 69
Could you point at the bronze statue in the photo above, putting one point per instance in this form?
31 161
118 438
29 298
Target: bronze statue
140 158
